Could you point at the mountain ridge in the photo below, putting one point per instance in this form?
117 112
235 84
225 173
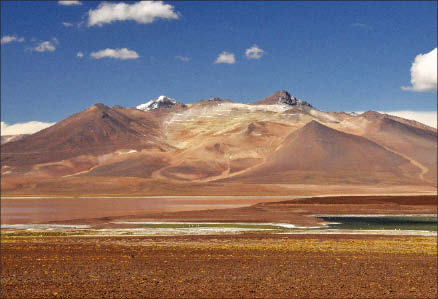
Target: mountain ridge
277 140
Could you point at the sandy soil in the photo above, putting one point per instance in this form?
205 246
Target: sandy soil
245 266
126 186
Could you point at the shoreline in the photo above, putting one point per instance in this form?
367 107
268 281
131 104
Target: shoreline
217 196
300 211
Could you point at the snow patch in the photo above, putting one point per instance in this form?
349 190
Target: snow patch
157 103
323 115
128 152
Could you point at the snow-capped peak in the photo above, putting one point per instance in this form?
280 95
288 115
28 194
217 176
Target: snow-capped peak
157 103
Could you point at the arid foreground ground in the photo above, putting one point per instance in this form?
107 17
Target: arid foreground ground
300 263
250 265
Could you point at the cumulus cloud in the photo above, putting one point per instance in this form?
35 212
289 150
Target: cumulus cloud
67 24
23 128
46 46
11 38
80 54
142 12
424 72
122 54
226 57
183 58
254 52
69 2
426 117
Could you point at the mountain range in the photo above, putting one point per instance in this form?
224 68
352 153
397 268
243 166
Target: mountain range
166 146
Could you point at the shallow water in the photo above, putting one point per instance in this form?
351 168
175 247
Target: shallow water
383 222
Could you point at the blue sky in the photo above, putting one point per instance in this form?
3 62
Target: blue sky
339 56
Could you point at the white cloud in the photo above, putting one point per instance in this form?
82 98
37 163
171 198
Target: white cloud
80 54
143 12
254 52
11 38
424 72
226 57
361 25
122 54
426 117
46 46
67 24
183 58
23 128
69 2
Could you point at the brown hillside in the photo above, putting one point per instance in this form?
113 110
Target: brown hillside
316 153
96 130
417 143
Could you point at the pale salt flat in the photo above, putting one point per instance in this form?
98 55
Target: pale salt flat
283 225
171 231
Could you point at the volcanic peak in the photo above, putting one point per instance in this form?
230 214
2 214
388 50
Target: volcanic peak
99 107
282 97
161 101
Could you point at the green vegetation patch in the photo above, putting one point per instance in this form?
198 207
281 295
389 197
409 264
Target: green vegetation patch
384 222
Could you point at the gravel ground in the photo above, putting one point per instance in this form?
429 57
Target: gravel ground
227 266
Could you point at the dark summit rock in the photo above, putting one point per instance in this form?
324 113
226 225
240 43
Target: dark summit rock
285 98
282 97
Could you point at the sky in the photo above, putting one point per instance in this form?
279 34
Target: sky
60 57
